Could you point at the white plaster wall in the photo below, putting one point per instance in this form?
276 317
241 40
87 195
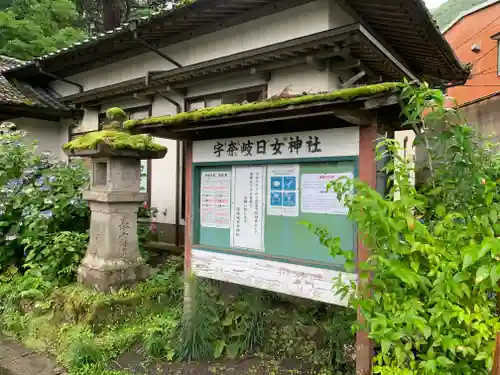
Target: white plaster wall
224 85
63 137
303 78
126 103
48 134
163 181
293 23
89 122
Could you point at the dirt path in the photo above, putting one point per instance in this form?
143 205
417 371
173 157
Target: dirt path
135 363
15 359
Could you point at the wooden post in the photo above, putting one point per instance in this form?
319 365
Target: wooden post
496 357
368 174
188 227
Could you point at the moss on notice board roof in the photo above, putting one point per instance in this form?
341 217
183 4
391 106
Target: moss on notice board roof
115 139
234 109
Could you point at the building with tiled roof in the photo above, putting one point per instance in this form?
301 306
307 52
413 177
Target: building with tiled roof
23 96
36 110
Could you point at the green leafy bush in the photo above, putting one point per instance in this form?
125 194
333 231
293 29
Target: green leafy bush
39 196
426 290
55 255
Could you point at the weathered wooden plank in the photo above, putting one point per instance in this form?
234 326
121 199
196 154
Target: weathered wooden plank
292 279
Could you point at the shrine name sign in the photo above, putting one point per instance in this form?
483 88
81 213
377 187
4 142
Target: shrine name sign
302 145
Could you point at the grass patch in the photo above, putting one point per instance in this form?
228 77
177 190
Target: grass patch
88 331
233 109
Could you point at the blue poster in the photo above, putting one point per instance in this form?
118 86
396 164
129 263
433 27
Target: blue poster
289 199
276 183
290 183
283 189
276 199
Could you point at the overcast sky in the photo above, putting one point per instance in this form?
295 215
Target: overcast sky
434 3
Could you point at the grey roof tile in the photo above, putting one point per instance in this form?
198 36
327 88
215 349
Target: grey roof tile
22 93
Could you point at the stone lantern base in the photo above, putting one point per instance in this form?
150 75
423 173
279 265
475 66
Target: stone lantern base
106 279
113 259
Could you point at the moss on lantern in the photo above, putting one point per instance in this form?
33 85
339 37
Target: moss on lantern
233 109
115 139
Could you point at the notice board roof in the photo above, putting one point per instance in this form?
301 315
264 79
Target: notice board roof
357 105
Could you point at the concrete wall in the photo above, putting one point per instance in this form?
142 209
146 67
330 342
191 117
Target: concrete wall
485 116
49 135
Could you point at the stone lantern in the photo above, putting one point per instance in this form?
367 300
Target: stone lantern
113 258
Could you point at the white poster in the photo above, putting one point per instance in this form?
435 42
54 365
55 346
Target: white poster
215 199
247 223
315 199
144 176
283 190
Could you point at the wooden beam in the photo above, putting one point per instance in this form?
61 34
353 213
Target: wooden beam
354 116
346 65
175 90
368 174
355 78
383 101
496 357
319 64
265 76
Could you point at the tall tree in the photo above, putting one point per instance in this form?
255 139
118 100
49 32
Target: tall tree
30 28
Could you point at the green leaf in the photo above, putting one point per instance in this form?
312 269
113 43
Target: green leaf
482 274
228 320
469 258
219 348
349 266
444 361
489 198
481 356
386 345
493 216
233 350
495 274
427 332
441 210
435 191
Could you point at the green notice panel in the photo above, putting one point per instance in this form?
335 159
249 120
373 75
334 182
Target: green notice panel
283 237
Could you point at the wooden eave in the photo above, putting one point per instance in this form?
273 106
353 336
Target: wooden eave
409 29
351 43
361 111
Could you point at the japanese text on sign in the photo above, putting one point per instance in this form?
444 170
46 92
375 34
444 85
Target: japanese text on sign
297 145
264 146
247 221
215 208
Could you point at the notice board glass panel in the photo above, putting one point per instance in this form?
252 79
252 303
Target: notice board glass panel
284 238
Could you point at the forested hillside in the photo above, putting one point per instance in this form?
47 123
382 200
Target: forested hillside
448 11
30 28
